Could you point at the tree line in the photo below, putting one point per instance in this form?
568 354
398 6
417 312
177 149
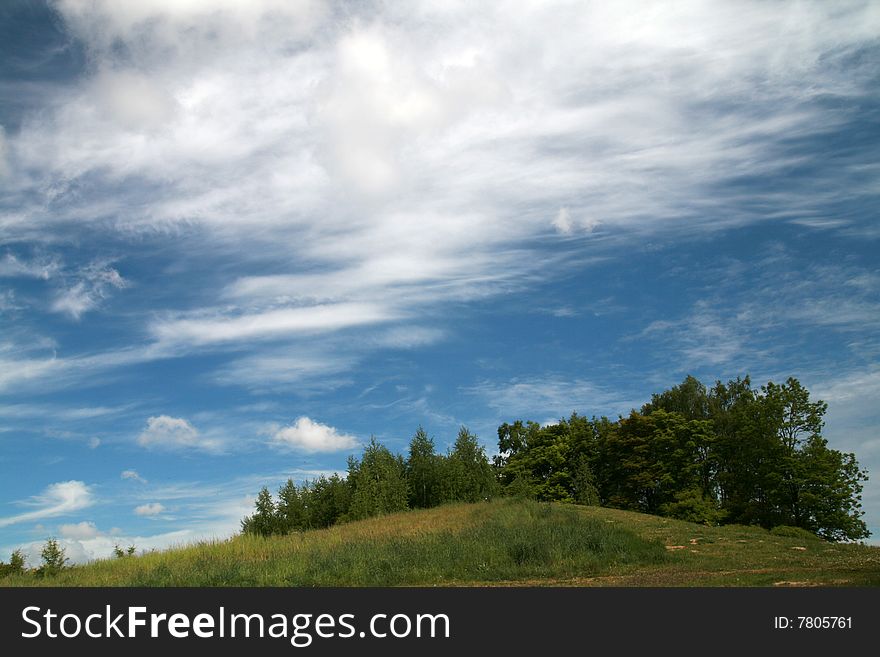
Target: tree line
378 483
726 454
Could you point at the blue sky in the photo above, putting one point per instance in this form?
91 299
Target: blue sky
238 239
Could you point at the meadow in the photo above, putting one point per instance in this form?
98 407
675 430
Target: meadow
500 543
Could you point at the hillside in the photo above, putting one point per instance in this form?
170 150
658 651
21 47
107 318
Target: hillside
504 543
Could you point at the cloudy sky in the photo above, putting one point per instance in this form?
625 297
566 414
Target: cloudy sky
238 238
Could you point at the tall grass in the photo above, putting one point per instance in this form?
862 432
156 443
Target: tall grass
502 540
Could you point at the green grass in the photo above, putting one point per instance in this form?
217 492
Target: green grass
502 543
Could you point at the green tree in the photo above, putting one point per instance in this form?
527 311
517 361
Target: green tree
290 510
423 471
544 462
265 520
327 500
15 566
17 561
469 476
830 493
583 483
378 483
689 399
513 439
647 459
795 419
54 558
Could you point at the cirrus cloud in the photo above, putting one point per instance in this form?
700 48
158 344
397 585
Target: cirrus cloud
57 500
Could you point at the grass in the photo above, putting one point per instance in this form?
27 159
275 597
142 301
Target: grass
502 543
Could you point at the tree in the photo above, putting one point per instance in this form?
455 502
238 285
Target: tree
423 471
378 483
54 558
264 521
583 483
689 399
544 462
15 566
830 495
290 510
512 439
649 458
17 561
327 500
469 477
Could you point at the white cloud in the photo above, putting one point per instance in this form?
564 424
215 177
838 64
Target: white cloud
562 222
437 136
132 100
11 266
94 285
269 324
386 162
57 500
79 531
309 369
165 432
133 475
557 396
310 436
4 154
152 509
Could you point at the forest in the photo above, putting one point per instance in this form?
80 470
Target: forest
729 454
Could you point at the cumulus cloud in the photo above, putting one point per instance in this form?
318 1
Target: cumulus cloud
310 436
152 509
58 499
79 531
165 432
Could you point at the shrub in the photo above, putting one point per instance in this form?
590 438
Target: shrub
787 531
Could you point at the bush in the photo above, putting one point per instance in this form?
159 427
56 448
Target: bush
691 505
787 531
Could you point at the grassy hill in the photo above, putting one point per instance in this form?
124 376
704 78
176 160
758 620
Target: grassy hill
502 543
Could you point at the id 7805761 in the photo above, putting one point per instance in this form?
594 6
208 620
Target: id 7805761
812 622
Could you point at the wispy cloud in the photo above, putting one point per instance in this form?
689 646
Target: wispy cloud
42 268
152 509
387 164
57 500
91 286
538 398
269 324
172 433
132 475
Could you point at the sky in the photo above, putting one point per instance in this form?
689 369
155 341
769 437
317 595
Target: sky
238 239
